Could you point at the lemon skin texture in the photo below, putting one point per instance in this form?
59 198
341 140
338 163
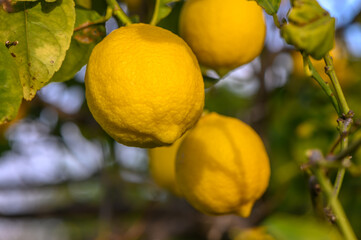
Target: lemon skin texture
224 34
144 86
222 166
162 166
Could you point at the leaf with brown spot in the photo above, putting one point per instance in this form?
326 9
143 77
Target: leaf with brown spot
10 86
42 30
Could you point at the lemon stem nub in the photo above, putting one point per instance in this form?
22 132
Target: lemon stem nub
245 210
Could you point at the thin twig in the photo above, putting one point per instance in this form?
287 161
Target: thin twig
118 12
324 85
330 71
335 205
346 152
155 13
344 122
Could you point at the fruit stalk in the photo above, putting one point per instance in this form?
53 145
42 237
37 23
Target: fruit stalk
344 122
330 70
335 205
118 12
155 13
324 85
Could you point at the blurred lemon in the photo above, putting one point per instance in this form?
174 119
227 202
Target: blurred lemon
162 166
224 34
222 166
257 233
144 86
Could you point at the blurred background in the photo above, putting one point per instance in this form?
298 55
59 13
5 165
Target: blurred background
62 177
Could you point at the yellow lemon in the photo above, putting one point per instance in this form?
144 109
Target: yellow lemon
144 86
257 233
162 166
222 166
224 34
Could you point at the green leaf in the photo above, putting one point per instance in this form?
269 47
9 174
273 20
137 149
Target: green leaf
285 227
10 87
15 1
82 44
43 31
84 3
171 22
162 9
310 29
270 6
96 5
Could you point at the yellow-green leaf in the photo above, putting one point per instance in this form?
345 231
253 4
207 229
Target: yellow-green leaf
286 227
162 9
270 6
10 87
310 29
43 31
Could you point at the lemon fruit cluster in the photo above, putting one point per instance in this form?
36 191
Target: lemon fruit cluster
144 86
224 34
221 166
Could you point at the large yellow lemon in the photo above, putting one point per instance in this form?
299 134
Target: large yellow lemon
224 34
222 166
144 86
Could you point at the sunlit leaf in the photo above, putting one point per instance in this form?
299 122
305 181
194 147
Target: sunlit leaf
15 1
310 29
10 87
82 43
163 9
43 31
270 6
285 227
84 3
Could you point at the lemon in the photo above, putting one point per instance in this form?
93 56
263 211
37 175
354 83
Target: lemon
256 233
162 166
222 166
224 34
144 86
